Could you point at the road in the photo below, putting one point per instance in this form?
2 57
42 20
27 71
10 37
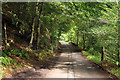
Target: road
69 65
72 64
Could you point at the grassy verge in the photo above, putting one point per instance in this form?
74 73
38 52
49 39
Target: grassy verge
112 68
94 58
116 72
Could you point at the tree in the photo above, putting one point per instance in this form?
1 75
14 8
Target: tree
40 14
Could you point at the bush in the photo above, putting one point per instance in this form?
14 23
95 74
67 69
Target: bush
96 57
6 61
117 71
20 53
44 56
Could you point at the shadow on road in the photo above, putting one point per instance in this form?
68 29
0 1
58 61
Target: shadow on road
68 63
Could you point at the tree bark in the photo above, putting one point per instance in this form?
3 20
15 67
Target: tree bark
119 35
40 13
5 35
102 56
33 26
59 34
119 59
119 47
83 41
32 34
77 38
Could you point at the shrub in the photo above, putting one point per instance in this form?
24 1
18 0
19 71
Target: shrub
6 61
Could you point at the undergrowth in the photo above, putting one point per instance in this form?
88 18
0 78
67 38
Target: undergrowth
14 58
116 71
96 57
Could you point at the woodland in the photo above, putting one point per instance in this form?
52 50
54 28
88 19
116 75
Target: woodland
32 31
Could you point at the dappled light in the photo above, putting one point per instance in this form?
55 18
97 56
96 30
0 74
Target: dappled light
60 40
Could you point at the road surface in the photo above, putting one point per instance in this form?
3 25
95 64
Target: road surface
69 65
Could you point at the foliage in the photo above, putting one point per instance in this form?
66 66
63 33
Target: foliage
116 71
96 58
5 61
94 29
44 56
91 25
20 53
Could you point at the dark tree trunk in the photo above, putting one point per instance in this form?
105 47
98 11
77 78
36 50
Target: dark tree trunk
119 58
118 36
39 26
118 47
33 28
83 41
5 35
102 56
59 34
32 34
77 38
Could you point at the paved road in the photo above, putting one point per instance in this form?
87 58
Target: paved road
70 64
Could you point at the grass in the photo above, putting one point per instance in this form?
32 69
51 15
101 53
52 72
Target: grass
113 68
95 58
116 72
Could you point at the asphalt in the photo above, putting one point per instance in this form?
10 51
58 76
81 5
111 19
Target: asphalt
70 65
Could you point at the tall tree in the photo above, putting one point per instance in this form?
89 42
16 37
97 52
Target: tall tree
33 26
40 14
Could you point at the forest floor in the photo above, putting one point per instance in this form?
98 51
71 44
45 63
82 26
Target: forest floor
69 63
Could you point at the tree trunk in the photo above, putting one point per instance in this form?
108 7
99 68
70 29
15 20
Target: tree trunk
5 35
40 13
77 38
32 34
119 36
83 41
33 26
59 34
38 39
119 59
102 56
118 48
33 29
